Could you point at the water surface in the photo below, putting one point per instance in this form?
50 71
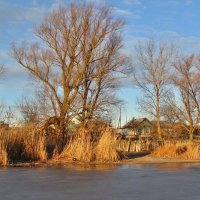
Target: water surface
134 182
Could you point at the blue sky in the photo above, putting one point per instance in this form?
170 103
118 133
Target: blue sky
174 20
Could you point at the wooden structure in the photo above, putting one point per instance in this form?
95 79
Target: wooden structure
137 128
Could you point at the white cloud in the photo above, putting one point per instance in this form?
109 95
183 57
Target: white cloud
96 1
175 3
184 44
122 12
125 13
188 45
133 2
3 55
11 13
167 34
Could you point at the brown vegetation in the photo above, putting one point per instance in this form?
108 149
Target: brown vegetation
22 144
29 144
85 146
182 150
77 63
3 147
106 147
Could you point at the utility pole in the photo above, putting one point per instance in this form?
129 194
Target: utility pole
120 118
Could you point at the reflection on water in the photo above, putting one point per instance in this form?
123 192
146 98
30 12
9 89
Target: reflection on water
172 166
176 181
87 166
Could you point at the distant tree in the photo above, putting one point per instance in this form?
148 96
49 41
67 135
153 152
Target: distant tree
9 115
2 105
2 111
152 76
29 111
75 40
186 81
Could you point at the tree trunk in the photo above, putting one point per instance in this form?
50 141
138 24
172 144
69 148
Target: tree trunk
159 129
158 116
191 130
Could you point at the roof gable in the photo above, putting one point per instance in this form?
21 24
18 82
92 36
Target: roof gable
134 123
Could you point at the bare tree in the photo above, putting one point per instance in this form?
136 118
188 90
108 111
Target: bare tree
152 76
2 111
9 114
71 38
29 111
186 109
196 82
101 79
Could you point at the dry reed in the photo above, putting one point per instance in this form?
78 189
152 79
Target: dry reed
34 142
22 144
80 147
29 144
180 150
3 148
106 147
86 146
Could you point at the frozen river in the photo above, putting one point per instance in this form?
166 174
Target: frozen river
151 182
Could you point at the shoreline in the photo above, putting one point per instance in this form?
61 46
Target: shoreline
147 159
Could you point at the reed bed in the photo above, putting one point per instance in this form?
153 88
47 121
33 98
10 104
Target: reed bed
35 144
3 147
22 144
80 147
179 150
106 147
28 144
84 146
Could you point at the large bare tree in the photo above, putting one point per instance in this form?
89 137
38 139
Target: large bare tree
73 39
152 77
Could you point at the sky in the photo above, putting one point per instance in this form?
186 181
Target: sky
169 20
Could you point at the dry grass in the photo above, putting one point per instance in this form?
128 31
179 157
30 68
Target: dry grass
182 150
80 147
85 147
22 144
106 147
29 144
3 147
34 143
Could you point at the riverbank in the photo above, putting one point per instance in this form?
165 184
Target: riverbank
153 160
134 158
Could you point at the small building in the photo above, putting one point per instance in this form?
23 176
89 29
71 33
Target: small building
138 128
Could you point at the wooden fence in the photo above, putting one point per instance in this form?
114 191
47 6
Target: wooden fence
136 145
